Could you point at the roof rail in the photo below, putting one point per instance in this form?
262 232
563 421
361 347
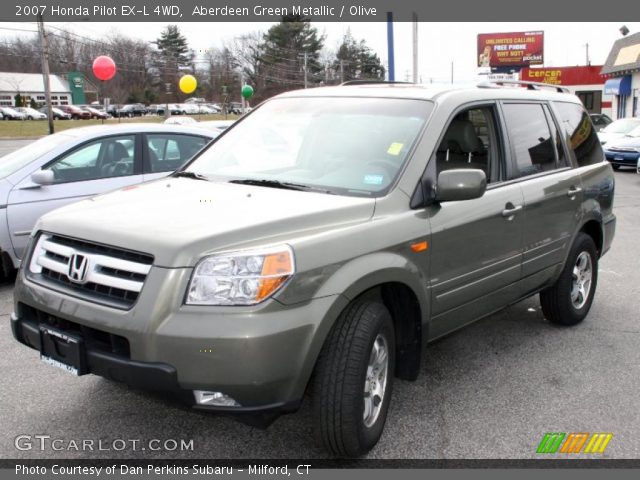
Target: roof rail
529 85
372 82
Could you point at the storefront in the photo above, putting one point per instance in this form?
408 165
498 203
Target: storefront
586 82
622 72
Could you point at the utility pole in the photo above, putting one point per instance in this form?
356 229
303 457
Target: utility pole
44 50
390 48
451 72
244 102
415 47
586 45
341 71
305 70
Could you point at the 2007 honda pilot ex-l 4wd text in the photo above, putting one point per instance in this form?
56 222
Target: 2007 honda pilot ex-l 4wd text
319 243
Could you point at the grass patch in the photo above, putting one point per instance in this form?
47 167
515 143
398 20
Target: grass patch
38 128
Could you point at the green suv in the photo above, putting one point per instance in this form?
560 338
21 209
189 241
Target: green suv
319 243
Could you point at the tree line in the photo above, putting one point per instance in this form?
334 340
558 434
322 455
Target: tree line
289 55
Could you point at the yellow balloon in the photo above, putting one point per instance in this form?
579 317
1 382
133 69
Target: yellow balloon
188 84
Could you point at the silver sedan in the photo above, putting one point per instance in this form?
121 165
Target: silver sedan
77 163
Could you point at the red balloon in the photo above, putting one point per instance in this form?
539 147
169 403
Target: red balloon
104 68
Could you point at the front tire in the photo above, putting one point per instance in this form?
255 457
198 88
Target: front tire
568 301
615 167
354 378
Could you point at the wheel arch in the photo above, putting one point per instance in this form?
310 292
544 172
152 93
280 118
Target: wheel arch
400 288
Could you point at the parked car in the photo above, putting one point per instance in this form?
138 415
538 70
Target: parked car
76 112
112 109
625 151
216 125
95 113
12 114
131 110
57 113
1 116
600 120
380 217
180 120
31 113
617 129
204 109
235 108
81 162
189 108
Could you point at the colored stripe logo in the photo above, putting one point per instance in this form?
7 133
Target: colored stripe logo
560 442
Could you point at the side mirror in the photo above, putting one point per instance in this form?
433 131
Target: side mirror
460 184
43 177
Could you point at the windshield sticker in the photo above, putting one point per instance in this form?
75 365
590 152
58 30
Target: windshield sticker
373 179
395 148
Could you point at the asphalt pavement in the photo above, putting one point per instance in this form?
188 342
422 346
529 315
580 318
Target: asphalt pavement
491 390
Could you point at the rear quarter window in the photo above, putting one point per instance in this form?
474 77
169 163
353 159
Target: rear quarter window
580 134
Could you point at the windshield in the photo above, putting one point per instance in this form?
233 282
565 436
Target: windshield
348 146
14 161
622 126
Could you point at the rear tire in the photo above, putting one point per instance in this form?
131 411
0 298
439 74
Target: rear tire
354 378
568 301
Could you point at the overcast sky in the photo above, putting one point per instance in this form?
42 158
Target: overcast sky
439 43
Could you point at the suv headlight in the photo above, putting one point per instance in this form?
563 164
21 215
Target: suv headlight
240 278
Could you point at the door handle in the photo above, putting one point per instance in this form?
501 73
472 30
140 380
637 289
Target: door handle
573 191
510 210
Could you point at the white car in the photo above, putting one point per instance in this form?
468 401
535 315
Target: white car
31 113
189 108
180 120
207 110
618 129
216 125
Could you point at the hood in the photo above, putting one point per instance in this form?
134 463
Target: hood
627 142
607 137
177 220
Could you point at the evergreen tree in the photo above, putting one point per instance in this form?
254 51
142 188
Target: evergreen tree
355 60
283 54
172 44
172 59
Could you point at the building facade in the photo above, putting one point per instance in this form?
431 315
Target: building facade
69 89
622 73
584 81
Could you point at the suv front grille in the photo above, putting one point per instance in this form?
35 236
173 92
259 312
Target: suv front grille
101 273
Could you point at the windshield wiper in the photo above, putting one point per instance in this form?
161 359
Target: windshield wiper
194 175
271 184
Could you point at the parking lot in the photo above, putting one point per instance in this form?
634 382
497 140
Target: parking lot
489 391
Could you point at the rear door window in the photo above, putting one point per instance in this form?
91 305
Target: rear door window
532 144
167 152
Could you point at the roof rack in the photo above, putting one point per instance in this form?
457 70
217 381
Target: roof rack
372 82
529 85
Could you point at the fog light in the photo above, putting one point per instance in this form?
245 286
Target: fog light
217 399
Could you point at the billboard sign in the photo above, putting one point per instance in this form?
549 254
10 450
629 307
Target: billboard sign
515 49
582 75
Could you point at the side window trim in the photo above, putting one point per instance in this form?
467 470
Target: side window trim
551 125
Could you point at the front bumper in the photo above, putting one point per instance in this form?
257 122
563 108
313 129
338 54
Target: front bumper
261 356
628 159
